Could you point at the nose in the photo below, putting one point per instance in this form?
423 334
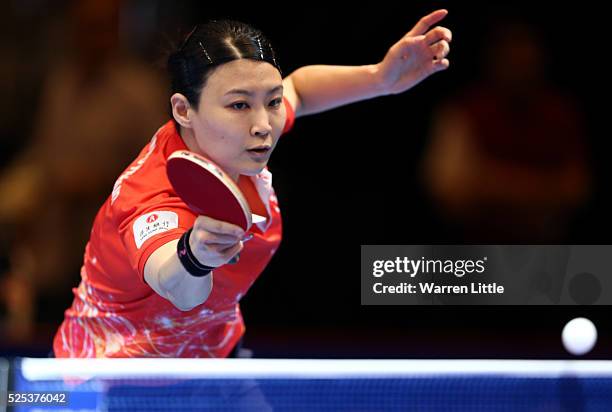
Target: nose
261 126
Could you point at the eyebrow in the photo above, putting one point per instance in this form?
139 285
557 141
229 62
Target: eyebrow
250 94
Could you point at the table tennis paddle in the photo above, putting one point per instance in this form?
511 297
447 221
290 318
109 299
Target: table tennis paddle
207 190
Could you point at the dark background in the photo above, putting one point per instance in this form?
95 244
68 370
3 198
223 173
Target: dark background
307 303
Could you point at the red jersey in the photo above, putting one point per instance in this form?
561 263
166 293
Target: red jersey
115 313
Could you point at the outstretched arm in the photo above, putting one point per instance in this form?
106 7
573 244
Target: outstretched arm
416 56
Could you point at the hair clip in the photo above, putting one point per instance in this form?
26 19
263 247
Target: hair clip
188 37
205 52
260 49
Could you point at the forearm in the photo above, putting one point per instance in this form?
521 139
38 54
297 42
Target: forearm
321 88
167 276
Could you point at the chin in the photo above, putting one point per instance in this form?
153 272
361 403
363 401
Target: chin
253 171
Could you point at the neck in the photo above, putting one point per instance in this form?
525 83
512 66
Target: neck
189 139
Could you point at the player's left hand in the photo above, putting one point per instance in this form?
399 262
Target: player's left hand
419 54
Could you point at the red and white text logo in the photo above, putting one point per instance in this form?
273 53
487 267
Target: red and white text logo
152 218
153 223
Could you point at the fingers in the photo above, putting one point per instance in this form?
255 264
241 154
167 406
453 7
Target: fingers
440 50
438 39
439 65
219 255
212 249
228 254
437 34
426 22
215 242
209 238
230 251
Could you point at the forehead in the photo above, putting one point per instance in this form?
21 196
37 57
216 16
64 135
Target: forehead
256 76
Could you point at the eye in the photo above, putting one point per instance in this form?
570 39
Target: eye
239 105
276 102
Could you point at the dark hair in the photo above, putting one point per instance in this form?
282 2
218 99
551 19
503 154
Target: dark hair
210 45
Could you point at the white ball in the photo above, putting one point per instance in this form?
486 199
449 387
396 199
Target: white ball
579 336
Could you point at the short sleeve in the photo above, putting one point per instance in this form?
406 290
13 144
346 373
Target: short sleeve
149 227
289 122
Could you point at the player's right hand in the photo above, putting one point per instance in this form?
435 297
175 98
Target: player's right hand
214 242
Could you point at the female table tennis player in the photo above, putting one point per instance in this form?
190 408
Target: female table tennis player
137 296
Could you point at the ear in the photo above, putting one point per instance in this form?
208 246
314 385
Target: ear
180 109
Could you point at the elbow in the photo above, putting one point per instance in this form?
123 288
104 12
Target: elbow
184 306
190 298
187 304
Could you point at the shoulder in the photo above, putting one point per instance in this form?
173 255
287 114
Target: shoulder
145 178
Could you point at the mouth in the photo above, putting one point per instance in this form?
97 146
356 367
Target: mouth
260 150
